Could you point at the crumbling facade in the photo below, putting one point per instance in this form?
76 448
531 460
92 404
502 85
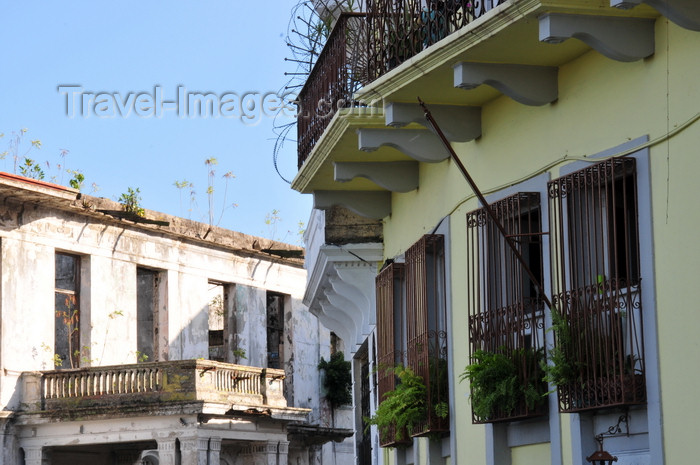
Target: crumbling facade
152 340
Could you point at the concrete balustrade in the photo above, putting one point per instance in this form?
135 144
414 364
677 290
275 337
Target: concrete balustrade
158 382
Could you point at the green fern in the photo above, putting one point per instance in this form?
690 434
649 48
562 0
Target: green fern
560 371
496 385
402 408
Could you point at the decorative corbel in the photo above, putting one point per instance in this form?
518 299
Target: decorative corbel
685 13
458 123
370 204
621 39
527 84
419 144
394 176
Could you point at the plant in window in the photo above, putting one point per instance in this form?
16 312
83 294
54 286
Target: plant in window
69 317
401 409
497 389
561 370
338 379
439 391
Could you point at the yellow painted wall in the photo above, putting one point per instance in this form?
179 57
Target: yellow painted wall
534 454
602 104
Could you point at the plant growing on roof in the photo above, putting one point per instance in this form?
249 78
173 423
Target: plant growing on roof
131 202
338 379
31 169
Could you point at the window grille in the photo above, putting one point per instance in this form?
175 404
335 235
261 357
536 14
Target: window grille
426 327
391 330
505 312
597 285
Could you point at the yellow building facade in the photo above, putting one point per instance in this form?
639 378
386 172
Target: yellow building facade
579 122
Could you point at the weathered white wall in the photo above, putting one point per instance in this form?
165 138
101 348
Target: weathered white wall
110 254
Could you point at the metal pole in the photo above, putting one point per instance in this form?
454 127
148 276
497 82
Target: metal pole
487 207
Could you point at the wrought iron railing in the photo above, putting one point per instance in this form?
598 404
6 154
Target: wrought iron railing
337 74
605 347
426 324
157 382
400 29
505 315
391 339
364 46
597 285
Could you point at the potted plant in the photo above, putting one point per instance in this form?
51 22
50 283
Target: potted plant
505 386
401 409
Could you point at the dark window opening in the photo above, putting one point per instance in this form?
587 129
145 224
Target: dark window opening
335 340
216 305
146 314
364 446
275 330
67 311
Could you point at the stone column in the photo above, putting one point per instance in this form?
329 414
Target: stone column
166 451
282 452
194 451
271 452
214 451
33 456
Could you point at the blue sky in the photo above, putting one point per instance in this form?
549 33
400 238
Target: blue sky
131 47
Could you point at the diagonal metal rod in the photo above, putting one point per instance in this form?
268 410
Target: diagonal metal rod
487 207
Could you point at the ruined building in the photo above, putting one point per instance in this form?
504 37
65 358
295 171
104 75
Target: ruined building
152 340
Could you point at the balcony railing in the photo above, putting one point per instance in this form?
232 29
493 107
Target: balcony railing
153 383
338 73
399 29
364 46
605 346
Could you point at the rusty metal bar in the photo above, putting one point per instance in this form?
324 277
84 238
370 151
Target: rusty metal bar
540 290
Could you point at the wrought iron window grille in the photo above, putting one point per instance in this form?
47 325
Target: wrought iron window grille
506 316
597 284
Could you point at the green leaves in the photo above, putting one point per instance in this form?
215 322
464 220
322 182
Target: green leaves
338 379
561 370
496 385
31 169
131 201
402 408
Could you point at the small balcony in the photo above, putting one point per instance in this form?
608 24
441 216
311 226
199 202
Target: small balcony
155 384
338 73
364 46
400 30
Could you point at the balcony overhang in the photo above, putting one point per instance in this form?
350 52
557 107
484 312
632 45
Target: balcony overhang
339 144
515 50
340 291
685 13
508 34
